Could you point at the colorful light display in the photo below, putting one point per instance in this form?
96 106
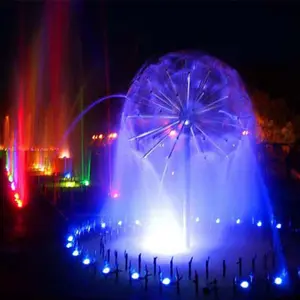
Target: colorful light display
15 192
102 136
40 99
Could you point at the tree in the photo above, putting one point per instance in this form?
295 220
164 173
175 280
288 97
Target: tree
273 119
287 133
296 123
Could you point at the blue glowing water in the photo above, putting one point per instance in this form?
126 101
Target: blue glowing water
186 147
195 99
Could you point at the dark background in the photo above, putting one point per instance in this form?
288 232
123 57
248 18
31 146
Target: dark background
258 38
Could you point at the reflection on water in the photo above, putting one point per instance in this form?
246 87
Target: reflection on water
33 227
20 228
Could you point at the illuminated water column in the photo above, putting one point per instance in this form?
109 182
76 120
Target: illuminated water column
6 141
89 158
56 48
19 130
19 147
6 135
83 171
31 128
38 120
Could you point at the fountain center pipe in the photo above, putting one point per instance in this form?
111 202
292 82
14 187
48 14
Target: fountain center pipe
187 194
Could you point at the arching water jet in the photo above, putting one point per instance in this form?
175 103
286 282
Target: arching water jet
86 110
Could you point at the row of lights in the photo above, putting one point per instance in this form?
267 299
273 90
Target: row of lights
113 135
239 221
106 270
17 199
197 220
29 149
120 223
166 281
88 227
245 284
137 222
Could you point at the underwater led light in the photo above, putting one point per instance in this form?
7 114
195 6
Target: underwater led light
75 252
135 275
70 238
244 284
278 280
69 245
86 261
106 270
86 183
166 281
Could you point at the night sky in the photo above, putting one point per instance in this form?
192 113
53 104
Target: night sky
260 40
